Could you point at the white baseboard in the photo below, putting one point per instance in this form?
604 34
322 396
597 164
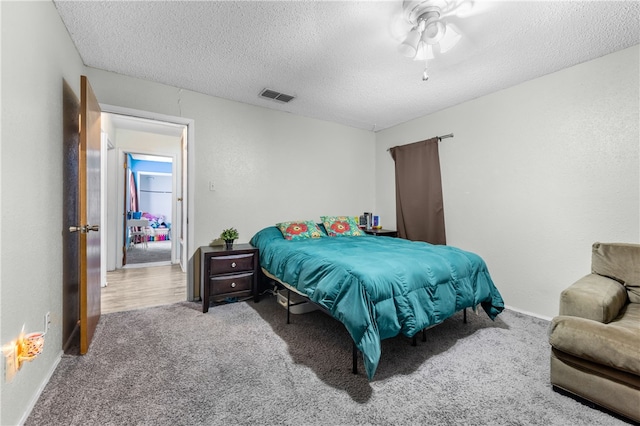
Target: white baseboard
531 314
36 396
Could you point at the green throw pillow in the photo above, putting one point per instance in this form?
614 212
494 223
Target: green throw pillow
300 229
341 226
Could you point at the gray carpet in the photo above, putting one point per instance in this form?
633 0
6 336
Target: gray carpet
156 251
242 364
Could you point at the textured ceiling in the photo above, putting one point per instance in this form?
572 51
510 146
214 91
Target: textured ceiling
340 59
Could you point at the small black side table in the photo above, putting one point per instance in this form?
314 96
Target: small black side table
381 232
228 273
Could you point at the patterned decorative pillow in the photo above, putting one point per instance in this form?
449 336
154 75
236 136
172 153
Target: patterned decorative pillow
338 226
300 229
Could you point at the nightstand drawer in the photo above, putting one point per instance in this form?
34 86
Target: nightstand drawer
230 283
230 264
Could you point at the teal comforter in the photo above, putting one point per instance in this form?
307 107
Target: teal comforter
379 287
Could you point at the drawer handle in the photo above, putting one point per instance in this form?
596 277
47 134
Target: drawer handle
233 264
233 285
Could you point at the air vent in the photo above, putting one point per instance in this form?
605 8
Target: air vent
276 96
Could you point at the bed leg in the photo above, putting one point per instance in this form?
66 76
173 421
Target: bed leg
424 334
413 341
288 304
354 368
464 315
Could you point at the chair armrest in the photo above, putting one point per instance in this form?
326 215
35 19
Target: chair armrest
612 345
593 297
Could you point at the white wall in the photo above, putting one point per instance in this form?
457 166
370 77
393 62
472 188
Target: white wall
267 166
37 55
535 174
155 194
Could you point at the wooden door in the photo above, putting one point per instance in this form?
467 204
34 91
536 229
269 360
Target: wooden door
89 205
70 213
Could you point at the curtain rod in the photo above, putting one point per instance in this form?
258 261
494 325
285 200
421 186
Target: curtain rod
450 135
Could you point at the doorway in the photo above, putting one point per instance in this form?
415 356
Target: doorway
161 139
149 210
136 140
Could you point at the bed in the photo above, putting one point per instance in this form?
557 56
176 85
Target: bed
379 287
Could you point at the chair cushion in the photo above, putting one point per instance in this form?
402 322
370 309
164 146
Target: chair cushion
615 344
620 262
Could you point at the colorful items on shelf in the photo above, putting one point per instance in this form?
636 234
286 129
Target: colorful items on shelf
159 237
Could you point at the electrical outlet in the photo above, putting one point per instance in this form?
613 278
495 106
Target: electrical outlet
47 321
10 362
211 186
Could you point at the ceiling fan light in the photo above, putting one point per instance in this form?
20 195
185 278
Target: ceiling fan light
424 51
449 40
429 29
409 46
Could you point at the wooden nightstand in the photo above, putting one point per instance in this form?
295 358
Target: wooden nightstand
381 232
228 273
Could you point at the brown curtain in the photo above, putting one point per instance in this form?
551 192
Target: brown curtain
419 205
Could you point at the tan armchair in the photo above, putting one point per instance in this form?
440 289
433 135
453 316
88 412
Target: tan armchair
595 341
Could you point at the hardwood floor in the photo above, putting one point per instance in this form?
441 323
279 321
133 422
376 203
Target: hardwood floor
136 288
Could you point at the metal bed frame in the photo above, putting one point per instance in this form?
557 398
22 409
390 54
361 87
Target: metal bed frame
354 367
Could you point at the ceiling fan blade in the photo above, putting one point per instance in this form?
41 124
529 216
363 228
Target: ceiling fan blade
465 8
399 27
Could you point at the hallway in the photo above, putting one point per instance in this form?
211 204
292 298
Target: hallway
135 288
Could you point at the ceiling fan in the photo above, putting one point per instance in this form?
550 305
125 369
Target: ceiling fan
430 30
